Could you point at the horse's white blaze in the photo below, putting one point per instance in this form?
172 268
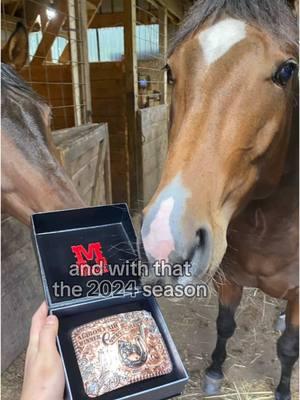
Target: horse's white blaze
220 38
159 242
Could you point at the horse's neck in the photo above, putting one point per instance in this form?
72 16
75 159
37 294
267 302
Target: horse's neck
288 186
289 183
291 170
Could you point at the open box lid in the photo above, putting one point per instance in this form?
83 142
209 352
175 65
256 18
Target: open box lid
75 247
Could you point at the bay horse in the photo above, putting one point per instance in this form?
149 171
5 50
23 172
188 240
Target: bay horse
32 179
227 201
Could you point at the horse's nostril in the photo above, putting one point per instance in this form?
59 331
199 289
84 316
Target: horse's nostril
202 235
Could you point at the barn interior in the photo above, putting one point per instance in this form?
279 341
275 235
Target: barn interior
99 64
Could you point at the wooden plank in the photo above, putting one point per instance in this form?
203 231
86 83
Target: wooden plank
154 154
163 46
84 179
86 136
75 165
99 175
21 288
56 91
107 173
175 7
62 103
62 123
153 114
97 4
49 34
109 93
31 11
108 108
107 70
85 69
65 55
153 126
105 20
47 73
154 132
118 85
135 173
87 198
74 61
118 140
63 111
87 22
109 105
12 7
115 124
84 153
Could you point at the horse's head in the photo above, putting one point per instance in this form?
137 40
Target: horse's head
32 180
231 69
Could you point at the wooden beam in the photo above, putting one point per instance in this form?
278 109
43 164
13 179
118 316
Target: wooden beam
74 61
50 33
9 23
32 9
134 141
85 67
163 48
12 7
174 7
66 53
97 4
117 19
105 20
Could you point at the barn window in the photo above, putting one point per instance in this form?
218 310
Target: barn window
57 48
147 37
107 44
34 41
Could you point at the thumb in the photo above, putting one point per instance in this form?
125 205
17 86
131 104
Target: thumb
47 340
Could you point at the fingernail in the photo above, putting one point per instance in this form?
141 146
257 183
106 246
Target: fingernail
51 319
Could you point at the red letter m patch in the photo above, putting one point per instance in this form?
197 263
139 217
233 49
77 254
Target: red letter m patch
92 253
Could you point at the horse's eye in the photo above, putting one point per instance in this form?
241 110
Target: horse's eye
171 79
285 72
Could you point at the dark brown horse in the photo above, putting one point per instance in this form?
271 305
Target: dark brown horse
228 196
32 179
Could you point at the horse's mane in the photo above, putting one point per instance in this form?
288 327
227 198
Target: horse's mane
11 81
273 16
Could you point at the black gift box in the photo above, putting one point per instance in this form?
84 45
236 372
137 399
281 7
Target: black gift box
64 242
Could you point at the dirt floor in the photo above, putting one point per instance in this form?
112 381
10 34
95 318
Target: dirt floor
252 368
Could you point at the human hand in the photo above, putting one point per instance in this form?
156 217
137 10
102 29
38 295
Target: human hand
43 375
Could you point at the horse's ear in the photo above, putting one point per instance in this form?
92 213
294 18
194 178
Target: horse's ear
295 6
15 52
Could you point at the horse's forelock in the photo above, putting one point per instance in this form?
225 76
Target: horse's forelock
274 16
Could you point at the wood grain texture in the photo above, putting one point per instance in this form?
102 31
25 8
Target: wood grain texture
108 91
153 127
21 288
84 153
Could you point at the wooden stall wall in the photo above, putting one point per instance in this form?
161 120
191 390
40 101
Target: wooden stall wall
84 154
109 105
21 292
108 94
153 126
58 91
